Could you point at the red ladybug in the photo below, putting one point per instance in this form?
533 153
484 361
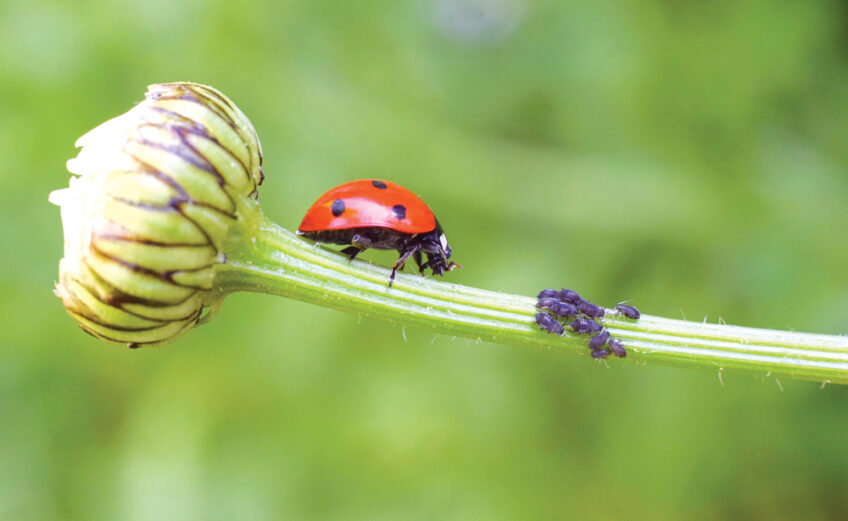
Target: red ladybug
371 213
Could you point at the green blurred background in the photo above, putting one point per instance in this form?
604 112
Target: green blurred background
690 156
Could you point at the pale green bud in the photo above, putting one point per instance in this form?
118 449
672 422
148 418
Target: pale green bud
145 222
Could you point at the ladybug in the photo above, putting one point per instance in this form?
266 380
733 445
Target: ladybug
372 213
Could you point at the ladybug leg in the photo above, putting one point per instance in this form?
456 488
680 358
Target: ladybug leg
359 243
351 252
404 256
418 260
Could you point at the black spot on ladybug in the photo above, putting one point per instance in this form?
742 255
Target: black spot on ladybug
379 184
400 211
338 207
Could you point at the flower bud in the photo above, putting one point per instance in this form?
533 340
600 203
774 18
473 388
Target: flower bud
145 221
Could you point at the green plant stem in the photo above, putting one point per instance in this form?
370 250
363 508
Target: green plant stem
267 258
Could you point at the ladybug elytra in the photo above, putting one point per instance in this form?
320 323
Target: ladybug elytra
372 213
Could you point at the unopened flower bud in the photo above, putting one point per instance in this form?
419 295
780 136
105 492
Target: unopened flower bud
145 221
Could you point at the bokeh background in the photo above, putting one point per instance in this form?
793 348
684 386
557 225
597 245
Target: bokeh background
689 156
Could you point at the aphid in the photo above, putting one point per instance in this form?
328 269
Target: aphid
370 213
548 293
546 302
600 353
570 296
617 348
584 325
563 309
590 310
549 323
628 311
599 340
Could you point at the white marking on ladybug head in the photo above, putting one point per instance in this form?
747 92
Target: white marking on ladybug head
444 241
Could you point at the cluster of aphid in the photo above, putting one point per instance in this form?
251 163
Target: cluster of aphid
584 318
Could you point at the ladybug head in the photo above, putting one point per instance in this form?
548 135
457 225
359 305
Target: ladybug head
438 252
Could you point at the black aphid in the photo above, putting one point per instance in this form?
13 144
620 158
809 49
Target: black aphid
617 348
548 293
584 325
570 296
628 311
549 323
600 353
546 302
590 310
563 309
599 340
